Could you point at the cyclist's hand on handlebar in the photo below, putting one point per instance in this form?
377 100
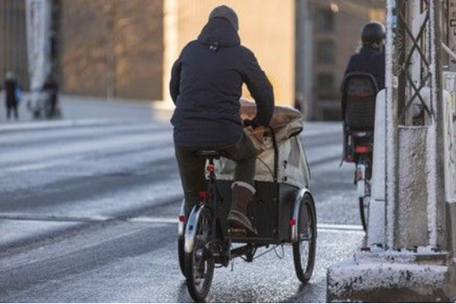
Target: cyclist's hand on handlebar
250 123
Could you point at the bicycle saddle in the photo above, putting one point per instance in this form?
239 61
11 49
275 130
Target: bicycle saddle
209 154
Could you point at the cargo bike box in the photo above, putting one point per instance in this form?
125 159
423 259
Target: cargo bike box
282 210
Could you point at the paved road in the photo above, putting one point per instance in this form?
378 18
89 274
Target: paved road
84 107
88 209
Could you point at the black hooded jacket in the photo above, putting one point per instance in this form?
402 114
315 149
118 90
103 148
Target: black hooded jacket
206 85
10 92
369 60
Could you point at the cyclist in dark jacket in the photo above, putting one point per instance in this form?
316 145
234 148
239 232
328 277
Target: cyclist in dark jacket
371 57
206 85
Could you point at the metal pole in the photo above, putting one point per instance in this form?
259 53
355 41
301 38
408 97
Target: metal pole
55 32
441 240
393 46
2 38
7 36
304 53
110 51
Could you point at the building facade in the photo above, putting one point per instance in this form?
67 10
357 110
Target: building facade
266 27
13 40
336 36
112 48
125 49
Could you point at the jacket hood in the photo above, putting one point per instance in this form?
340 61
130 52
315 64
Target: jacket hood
219 31
370 49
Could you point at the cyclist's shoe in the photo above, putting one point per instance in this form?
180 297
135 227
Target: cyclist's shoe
240 222
241 195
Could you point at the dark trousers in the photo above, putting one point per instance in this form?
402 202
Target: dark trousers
191 167
53 101
12 108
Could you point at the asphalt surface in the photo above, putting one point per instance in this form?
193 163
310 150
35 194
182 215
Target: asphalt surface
88 213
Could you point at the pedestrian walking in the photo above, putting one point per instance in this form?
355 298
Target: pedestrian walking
51 88
11 95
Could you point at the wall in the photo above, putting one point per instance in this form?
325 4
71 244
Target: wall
266 27
13 45
350 16
114 44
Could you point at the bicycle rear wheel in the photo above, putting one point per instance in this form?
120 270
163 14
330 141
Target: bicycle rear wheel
181 254
199 264
304 249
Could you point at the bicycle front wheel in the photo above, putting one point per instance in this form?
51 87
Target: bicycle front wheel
199 264
364 211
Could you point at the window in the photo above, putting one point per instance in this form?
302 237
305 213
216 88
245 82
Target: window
325 20
325 82
326 52
377 14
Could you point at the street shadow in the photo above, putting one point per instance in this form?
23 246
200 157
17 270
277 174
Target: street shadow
182 294
308 293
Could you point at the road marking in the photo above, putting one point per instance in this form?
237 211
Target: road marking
356 229
147 219
324 227
24 259
340 227
146 156
54 218
157 220
65 134
84 146
22 126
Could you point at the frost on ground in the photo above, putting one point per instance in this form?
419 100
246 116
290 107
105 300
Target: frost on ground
392 271
371 272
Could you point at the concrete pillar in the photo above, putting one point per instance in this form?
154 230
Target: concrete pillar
418 264
376 227
418 196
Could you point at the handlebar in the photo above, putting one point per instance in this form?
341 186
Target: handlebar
250 123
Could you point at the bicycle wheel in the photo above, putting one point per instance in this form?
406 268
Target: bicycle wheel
364 210
181 238
305 248
181 254
199 265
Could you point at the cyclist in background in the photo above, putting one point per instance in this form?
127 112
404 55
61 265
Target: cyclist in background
371 57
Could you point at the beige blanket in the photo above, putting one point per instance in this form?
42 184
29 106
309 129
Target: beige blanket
287 124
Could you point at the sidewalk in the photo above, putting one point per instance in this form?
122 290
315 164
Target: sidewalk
83 107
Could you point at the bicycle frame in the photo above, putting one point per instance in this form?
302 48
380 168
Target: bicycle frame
361 179
361 175
276 211
211 198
